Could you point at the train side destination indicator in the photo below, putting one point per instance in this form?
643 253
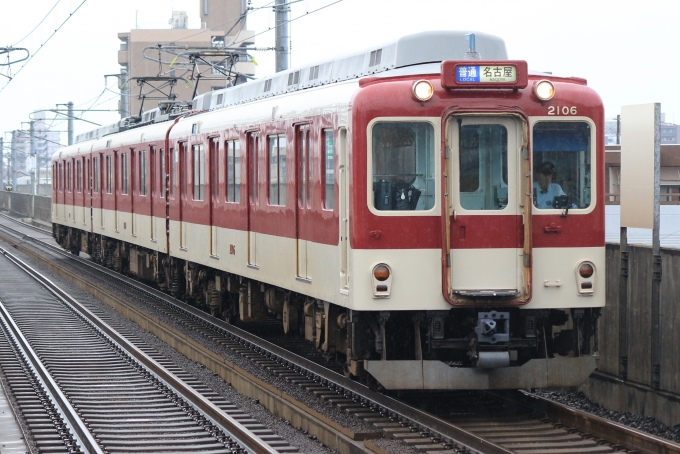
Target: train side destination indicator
484 74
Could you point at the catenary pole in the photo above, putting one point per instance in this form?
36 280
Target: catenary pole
282 44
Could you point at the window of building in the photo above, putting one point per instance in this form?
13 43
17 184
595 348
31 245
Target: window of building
403 165
125 164
562 167
233 171
277 170
199 171
329 169
109 175
95 172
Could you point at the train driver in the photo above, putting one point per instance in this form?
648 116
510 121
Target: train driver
545 190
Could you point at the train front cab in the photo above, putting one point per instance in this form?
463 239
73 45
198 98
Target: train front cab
521 277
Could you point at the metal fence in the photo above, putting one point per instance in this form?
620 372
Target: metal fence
626 338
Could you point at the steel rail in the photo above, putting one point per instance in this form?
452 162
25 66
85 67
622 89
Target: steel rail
389 405
80 431
599 427
221 419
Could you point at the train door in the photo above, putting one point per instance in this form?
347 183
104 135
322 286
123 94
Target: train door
153 192
343 184
182 193
213 169
88 182
253 195
116 175
304 198
133 178
484 212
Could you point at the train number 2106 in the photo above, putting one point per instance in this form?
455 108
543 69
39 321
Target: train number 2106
564 110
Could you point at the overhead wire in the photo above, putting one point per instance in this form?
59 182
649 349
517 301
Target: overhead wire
42 45
39 24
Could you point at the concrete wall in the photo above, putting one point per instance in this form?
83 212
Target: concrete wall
635 393
37 207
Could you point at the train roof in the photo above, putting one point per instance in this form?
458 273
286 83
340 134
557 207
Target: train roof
410 50
403 55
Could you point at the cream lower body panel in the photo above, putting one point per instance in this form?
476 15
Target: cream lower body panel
554 278
275 260
416 273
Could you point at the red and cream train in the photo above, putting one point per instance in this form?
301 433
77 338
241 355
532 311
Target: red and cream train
382 203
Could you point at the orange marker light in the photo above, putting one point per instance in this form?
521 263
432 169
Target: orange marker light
586 270
381 272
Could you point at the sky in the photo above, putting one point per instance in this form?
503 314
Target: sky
628 51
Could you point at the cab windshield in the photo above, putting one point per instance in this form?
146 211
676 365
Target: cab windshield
561 165
403 166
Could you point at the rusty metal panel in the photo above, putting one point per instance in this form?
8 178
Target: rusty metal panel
608 323
670 320
639 314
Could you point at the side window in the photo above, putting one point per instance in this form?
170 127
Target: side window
329 169
277 170
79 175
109 174
233 171
199 171
175 169
253 170
95 173
215 168
142 172
561 162
125 174
403 166
70 177
483 167
161 180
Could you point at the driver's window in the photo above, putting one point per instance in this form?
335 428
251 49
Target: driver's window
403 166
561 165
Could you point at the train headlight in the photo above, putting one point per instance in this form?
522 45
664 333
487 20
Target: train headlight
585 278
422 90
544 90
381 280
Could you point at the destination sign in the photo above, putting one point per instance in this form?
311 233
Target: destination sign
486 74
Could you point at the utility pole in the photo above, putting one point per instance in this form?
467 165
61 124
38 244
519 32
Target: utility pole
124 94
70 122
282 9
35 160
2 164
13 161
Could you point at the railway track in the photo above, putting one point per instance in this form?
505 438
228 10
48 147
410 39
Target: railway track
101 393
546 427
